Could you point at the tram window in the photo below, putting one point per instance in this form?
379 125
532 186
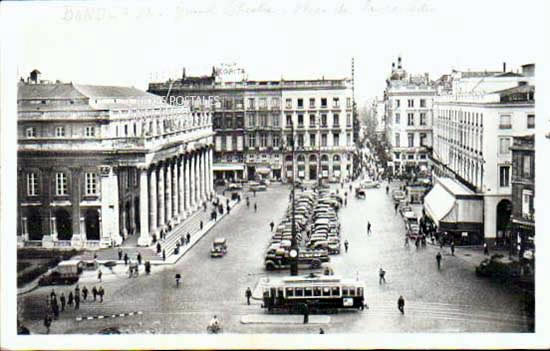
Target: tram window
308 292
326 291
359 291
317 292
335 291
289 292
299 292
345 291
351 291
280 292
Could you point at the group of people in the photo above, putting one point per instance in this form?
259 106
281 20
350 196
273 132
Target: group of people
54 306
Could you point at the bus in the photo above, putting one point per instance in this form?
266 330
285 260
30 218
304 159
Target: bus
318 292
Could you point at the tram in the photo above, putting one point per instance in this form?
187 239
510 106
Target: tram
317 292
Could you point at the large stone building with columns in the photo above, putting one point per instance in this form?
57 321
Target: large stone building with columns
98 165
253 124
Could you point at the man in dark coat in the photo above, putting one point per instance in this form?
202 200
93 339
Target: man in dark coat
94 293
139 258
84 293
101 292
158 248
76 301
401 304
120 254
248 295
63 301
70 301
438 259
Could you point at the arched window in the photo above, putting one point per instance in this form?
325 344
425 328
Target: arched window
336 158
301 158
312 158
324 158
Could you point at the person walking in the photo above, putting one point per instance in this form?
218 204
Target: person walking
401 304
47 322
452 248
178 277
406 241
139 258
306 313
99 275
255 207
248 295
164 255
77 301
158 251
120 254
201 224
272 225
84 292
63 301
381 275
485 249
94 293
346 244
247 202
101 292
369 228
395 207
438 259
387 189
70 299
55 309
188 237
126 255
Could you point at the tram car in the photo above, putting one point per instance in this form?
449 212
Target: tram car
319 293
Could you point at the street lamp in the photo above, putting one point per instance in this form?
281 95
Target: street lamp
294 245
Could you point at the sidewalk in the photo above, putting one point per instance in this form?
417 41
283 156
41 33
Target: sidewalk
473 255
283 319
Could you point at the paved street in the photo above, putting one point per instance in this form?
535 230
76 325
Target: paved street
452 299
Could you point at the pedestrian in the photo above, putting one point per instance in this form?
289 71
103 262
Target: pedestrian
147 267
126 255
55 309
120 254
248 295
406 241
77 301
381 275
62 300
369 228
94 293
164 255
346 202
387 189
70 299
202 224
47 322
178 277
272 225
306 313
452 248
99 275
77 290
346 244
321 331
95 256
188 238
485 249
438 259
417 242
139 258
255 207
84 292
52 295
101 292
401 304
395 207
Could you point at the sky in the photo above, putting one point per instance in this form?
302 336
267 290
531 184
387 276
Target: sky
133 43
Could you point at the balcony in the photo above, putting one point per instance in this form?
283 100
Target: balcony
505 126
529 216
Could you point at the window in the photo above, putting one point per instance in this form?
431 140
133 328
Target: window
348 102
410 157
397 103
251 120
300 121
336 139
300 103
527 166
263 120
410 137
91 183
276 141
60 132
504 176
397 141
323 140
90 131
31 132
324 120
60 184
336 120
224 142
323 102
308 292
422 102
349 139
275 102
300 140
263 140
32 184
423 119
288 103
228 104
397 118
396 155
263 103
275 120
251 140
251 103
311 102
504 146
312 121
505 122
348 119
423 137
410 103
527 203
530 121
289 292
312 140
288 120
410 119
335 102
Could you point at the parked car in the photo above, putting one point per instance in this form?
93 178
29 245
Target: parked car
398 195
360 193
219 182
405 208
66 273
259 187
370 184
498 267
265 182
234 186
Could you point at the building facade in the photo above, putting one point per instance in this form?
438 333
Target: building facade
472 138
98 164
523 196
256 121
409 118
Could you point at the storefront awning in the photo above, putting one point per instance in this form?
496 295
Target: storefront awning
438 203
227 167
263 170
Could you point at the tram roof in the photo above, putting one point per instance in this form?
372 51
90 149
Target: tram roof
313 280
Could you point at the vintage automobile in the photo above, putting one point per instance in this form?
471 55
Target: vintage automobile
398 195
234 186
66 273
253 186
219 247
370 184
360 193
498 267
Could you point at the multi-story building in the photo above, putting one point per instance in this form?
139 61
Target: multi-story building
254 121
472 138
523 196
408 106
98 164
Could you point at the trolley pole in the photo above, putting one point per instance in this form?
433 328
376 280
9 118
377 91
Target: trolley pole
294 245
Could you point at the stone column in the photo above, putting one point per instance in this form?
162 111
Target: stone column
160 196
187 194
181 187
204 176
79 234
201 176
192 183
197 179
175 192
144 239
153 201
168 200
210 172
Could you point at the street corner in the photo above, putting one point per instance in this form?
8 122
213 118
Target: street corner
283 319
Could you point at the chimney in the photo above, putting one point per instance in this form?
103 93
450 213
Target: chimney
399 62
504 67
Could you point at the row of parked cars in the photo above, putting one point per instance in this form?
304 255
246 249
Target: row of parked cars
324 226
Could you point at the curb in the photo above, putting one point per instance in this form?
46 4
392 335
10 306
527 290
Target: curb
79 319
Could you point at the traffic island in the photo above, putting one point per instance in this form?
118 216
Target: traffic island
283 319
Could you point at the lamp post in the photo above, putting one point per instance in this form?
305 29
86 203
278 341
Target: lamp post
293 245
